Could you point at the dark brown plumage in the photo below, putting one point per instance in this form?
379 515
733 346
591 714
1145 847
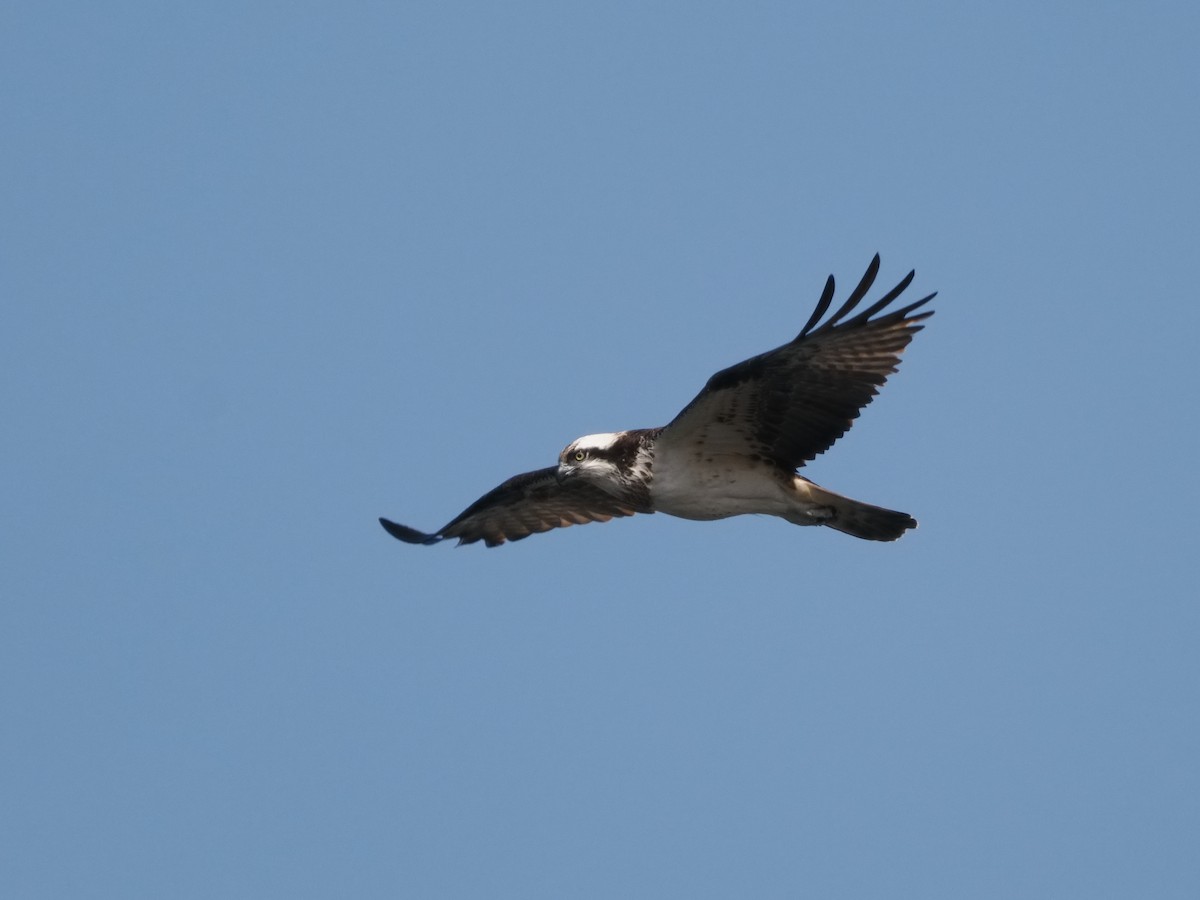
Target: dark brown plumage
525 504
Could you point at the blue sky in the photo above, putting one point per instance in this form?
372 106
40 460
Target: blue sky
271 270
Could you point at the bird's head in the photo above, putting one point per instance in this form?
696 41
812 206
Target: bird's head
590 456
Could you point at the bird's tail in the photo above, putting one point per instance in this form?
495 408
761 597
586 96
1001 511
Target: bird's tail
871 523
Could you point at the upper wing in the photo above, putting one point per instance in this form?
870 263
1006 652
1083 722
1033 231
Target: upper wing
792 403
524 505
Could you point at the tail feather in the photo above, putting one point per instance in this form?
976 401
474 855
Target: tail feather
862 520
871 523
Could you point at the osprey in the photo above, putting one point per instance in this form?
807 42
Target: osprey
733 450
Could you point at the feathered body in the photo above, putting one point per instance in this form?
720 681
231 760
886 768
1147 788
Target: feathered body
734 450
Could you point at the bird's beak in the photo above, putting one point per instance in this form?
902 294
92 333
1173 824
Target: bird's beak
562 473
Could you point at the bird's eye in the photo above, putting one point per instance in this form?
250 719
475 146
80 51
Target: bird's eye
580 456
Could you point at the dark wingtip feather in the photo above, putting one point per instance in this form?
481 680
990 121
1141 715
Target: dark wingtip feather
906 312
838 319
406 534
857 294
886 299
822 305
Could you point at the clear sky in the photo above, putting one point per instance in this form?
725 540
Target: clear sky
271 270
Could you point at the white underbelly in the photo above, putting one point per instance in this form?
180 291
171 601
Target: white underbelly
716 488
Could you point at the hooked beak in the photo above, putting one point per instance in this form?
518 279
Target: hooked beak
562 473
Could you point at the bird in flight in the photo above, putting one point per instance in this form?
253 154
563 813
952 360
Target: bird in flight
734 450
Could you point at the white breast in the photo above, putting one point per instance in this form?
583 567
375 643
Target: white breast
701 487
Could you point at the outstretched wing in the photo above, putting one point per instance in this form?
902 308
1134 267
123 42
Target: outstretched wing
525 504
790 404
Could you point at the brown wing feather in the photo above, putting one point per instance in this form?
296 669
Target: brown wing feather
792 403
526 504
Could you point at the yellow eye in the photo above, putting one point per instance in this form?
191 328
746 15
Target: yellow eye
580 456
